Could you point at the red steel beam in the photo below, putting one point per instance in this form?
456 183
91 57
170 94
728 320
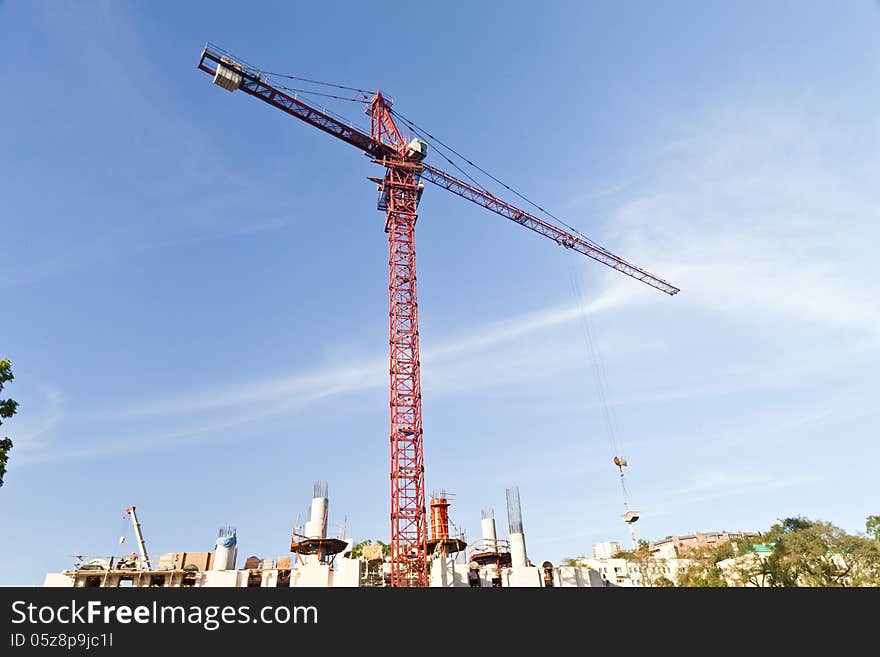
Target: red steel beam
253 84
408 523
400 187
563 237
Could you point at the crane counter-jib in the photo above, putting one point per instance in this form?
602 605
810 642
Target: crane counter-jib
233 76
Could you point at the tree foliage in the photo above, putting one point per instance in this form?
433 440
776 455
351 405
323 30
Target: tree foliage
651 570
7 410
357 551
797 552
872 527
573 562
703 569
816 553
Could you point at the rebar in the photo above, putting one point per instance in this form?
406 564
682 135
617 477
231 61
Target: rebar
514 511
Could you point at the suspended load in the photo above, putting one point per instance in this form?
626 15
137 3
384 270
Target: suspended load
630 517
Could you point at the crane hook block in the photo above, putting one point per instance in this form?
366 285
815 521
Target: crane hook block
228 74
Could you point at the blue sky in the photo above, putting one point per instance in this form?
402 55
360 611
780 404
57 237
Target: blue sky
194 284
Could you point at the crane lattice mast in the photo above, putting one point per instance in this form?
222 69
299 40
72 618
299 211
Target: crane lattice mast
400 191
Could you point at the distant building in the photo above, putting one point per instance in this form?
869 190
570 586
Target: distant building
748 569
605 550
745 569
678 546
651 571
665 560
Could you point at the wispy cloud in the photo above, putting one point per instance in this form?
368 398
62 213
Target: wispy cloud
105 445
368 373
609 191
279 395
32 430
740 218
712 485
754 216
315 384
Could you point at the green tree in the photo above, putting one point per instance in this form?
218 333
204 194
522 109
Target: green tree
357 551
7 410
703 569
796 551
861 559
788 526
817 553
650 569
872 527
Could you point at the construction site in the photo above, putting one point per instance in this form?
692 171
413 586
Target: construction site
307 304
319 560
419 553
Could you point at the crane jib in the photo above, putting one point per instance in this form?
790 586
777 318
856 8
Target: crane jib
252 83
562 237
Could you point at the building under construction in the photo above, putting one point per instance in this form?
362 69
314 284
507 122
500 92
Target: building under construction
319 560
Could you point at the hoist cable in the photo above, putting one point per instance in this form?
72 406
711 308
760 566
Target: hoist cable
326 84
414 126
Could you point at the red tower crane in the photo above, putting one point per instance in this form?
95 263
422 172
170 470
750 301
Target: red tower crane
401 190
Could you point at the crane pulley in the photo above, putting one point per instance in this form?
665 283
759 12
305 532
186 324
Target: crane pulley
401 188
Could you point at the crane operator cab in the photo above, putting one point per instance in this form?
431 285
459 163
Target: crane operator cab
416 150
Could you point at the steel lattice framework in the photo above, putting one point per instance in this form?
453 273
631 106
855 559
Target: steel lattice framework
408 537
400 191
400 194
562 237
